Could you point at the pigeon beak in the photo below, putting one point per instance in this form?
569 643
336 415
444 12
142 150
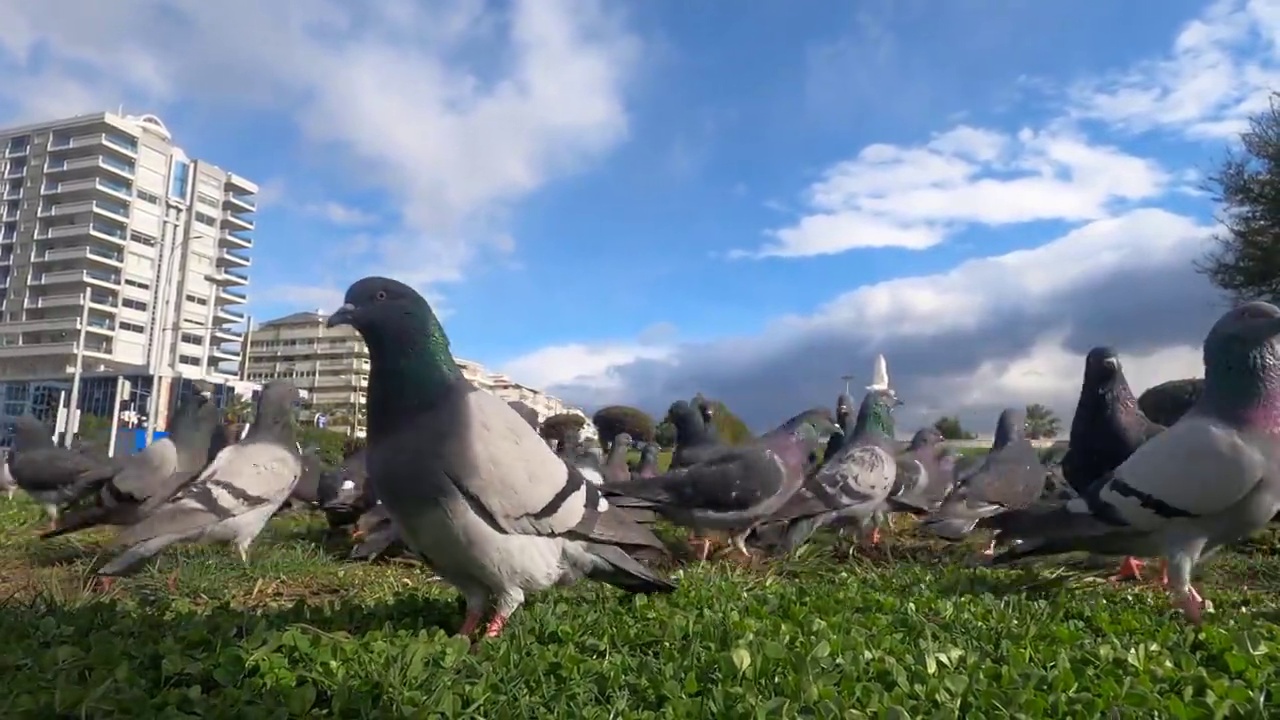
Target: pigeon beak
342 316
1111 363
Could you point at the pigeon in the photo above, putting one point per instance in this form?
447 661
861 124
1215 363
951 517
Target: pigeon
926 473
1107 428
854 483
707 410
233 498
734 490
53 476
355 494
1211 478
152 476
648 465
7 483
615 466
472 488
844 412
1009 478
529 414
318 484
377 535
694 443
589 466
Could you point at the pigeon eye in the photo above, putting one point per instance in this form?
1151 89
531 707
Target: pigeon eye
380 295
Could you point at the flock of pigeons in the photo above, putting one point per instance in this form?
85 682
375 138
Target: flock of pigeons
465 481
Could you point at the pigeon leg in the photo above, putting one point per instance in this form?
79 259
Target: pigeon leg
244 551
990 549
739 542
1185 597
357 534
507 604
1130 569
103 583
172 582
706 548
1164 572
52 512
875 536
477 603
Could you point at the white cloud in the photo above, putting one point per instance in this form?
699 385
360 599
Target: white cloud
1220 70
914 197
456 108
1000 330
339 214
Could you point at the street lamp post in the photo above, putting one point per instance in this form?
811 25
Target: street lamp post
73 406
846 379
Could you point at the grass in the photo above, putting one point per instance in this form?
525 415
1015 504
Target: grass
907 631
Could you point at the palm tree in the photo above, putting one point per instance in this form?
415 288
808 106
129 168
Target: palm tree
237 410
1042 423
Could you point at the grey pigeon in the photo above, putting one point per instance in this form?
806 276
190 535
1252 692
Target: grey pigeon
355 494
615 466
707 410
318 484
376 534
53 476
1107 428
1010 478
735 490
926 473
150 477
7 483
694 442
472 488
844 417
1210 479
589 465
854 483
233 498
529 414
648 465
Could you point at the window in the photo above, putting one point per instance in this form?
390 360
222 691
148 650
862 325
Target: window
133 304
206 219
204 199
146 197
192 339
131 327
179 180
188 360
197 299
142 238
137 283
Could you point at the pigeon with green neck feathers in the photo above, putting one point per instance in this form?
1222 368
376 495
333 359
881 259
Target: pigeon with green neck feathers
233 498
1210 479
855 483
734 490
1011 477
694 441
470 485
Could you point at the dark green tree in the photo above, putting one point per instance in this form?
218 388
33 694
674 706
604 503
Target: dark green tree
951 429
614 419
1246 260
329 444
1042 422
665 434
563 427
730 427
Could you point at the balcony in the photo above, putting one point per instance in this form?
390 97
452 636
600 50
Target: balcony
113 258
15 171
240 186
13 193
228 258
89 187
99 230
16 149
226 313
52 301
112 209
36 349
228 335
233 297
89 166
237 203
65 277
106 326
227 277
232 241
62 324
95 141
224 353
235 222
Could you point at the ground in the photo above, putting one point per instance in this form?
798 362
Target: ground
905 631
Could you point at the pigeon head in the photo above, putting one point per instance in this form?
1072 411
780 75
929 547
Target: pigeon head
649 451
621 440
844 406
925 437
1242 359
394 320
1011 426
876 412
30 433
1102 369
276 406
687 421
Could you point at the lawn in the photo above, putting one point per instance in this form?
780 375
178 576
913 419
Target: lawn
906 631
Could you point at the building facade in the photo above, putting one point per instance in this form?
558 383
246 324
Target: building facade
120 256
333 365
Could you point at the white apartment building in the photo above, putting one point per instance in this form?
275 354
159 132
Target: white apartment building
118 252
333 365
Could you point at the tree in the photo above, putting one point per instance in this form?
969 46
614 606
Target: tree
1168 401
329 444
730 427
951 429
623 419
665 435
1042 423
237 410
563 427
1246 260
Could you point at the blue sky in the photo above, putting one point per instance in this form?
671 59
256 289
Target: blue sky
631 202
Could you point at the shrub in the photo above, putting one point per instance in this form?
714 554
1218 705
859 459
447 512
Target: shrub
563 427
616 419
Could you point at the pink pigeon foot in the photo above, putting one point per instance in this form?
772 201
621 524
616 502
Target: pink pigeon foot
1130 569
470 623
494 629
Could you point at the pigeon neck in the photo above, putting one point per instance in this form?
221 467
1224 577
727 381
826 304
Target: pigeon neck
271 424
873 419
1246 393
411 369
617 454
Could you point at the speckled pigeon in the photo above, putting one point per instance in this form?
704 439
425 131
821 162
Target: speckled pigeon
732 491
1210 479
926 473
53 476
147 479
233 498
1010 477
473 489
